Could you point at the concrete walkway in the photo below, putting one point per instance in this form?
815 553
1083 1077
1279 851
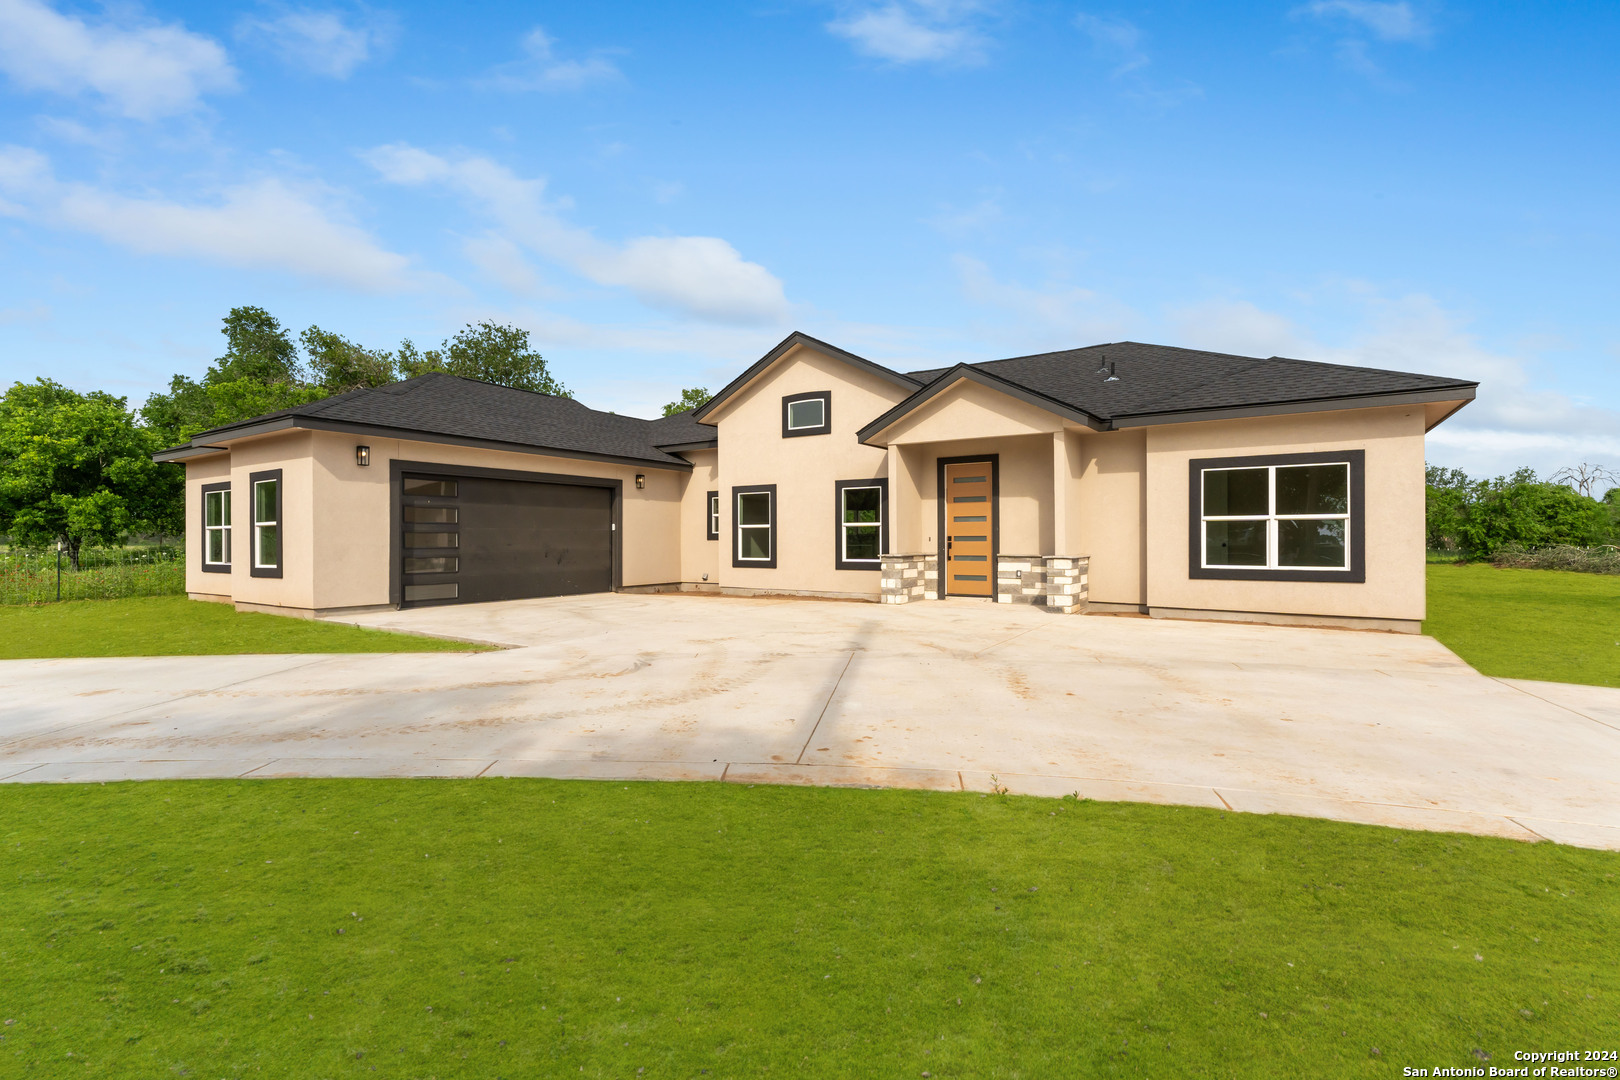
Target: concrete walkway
1379 728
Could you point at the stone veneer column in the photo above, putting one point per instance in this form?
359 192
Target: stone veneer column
1020 579
1067 583
909 577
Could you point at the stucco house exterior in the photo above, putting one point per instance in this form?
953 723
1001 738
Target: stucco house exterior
1113 478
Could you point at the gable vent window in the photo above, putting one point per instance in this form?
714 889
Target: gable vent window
1292 517
807 414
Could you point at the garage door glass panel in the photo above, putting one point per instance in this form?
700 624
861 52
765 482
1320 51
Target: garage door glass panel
433 515
432 564
419 486
432 539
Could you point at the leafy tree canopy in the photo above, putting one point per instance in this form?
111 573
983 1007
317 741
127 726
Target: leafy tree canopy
1480 516
695 398
78 469
262 371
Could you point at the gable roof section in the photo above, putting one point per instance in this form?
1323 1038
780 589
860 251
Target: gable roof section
681 432
701 414
1154 384
977 374
446 408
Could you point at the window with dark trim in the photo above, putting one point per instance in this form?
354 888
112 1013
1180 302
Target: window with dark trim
264 494
753 526
216 499
711 516
861 523
807 414
1279 517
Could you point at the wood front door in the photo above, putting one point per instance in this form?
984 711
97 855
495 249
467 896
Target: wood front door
970 519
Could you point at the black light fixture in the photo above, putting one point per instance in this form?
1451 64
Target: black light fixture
362 455
641 480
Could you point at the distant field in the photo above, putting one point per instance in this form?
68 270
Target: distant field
1528 624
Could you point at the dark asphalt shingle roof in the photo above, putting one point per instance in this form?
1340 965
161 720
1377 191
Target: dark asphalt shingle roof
681 430
1163 379
441 404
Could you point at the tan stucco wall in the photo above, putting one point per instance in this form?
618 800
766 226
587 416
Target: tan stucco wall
967 409
1393 441
1026 504
1107 512
803 469
208 470
700 557
337 515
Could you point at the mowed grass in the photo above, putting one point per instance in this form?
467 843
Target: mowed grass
536 928
1528 624
176 626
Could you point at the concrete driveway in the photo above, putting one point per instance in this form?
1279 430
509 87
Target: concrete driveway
1378 728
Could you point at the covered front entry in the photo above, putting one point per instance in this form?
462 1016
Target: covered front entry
968 490
469 536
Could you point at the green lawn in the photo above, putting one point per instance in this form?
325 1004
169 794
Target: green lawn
528 928
176 626
1528 624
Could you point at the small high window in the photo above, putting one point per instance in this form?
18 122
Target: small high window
712 516
266 523
1290 517
216 528
862 526
807 414
754 526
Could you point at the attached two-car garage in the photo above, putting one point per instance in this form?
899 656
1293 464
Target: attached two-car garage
473 535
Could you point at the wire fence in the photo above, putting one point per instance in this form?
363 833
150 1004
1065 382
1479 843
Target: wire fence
101 574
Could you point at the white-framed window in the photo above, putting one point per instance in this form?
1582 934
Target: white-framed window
754 526
712 519
862 526
807 414
1277 517
216 526
266 505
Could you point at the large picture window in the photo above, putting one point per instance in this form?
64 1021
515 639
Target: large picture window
862 523
1291 517
753 516
216 528
265 493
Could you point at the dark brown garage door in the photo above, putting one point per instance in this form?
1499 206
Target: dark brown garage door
466 539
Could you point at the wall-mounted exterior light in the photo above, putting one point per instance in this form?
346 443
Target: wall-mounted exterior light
641 480
362 455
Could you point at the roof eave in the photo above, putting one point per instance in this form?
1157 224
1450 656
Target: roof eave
187 452
702 412
676 448
1463 392
413 435
994 382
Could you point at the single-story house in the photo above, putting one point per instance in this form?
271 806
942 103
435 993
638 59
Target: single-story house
1117 478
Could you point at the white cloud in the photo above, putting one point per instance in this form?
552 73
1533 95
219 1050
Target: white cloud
267 224
142 70
1238 327
502 261
1056 316
701 276
321 41
915 31
1386 21
543 70
1116 38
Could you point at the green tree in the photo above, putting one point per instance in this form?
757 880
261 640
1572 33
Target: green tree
1530 513
1448 493
337 365
695 398
77 469
488 351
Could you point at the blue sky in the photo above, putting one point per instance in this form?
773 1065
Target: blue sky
660 192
